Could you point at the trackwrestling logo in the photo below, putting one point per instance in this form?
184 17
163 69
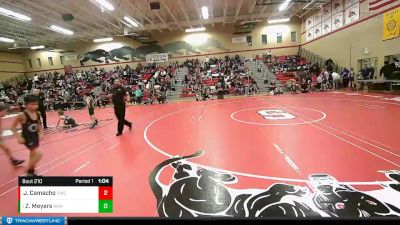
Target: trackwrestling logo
199 192
33 220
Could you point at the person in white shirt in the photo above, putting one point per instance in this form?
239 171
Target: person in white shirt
336 80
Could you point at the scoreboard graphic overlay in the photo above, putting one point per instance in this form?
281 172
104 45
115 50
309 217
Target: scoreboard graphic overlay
65 195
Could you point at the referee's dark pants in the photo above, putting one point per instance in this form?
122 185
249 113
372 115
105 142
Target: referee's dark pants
120 113
44 118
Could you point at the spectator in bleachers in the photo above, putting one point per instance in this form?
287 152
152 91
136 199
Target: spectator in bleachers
352 75
346 77
65 91
335 80
329 65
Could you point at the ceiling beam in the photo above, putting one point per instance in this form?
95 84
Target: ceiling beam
157 14
31 28
164 3
92 15
36 40
184 12
132 5
239 6
42 23
261 12
252 6
198 9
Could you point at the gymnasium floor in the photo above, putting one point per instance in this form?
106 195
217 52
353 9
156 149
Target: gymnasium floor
331 154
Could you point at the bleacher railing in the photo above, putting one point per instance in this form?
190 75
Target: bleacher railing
314 58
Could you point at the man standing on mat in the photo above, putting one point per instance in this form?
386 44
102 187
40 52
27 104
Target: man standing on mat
42 108
119 98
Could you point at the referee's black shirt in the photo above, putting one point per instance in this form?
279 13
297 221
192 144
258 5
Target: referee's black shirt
118 97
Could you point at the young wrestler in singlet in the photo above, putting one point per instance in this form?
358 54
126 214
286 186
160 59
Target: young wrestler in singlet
32 131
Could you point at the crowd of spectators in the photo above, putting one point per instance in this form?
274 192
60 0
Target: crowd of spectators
145 84
219 76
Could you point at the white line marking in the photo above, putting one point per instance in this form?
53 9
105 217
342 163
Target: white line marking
72 157
81 147
347 141
278 124
82 166
371 107
142 119
60 163
112 147
366 142
288 159
292 164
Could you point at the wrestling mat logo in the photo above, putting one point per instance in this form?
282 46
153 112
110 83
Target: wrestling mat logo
199 192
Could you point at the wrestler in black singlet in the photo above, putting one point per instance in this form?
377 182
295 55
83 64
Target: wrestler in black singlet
30 131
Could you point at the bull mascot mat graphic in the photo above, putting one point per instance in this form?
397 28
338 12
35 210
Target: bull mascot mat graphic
196 192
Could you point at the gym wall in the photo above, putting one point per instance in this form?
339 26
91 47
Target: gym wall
347 45
215 41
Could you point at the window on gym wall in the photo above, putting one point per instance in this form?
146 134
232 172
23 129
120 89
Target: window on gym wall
278 38
38 62
264 40
50 61
62 59
249 40
29 63
293 36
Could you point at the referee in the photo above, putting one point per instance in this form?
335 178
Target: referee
120 95
42 108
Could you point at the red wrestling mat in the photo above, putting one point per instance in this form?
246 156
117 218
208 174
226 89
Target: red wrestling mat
320 154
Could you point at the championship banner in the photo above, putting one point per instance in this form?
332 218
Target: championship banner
326 12
337 21
317 18
352 14
349 3
317 31
327 26
236 40
70 57
157 58
310 34
309 22
391 24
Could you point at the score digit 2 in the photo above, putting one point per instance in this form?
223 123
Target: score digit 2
105 193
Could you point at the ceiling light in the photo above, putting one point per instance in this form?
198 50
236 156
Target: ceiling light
14 15
195 29
131 21
8 40
284 5
57 50
125 23
61 30
204 12
38 47
103 39
105 4
279 20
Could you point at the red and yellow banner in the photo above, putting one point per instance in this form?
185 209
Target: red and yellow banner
391 24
